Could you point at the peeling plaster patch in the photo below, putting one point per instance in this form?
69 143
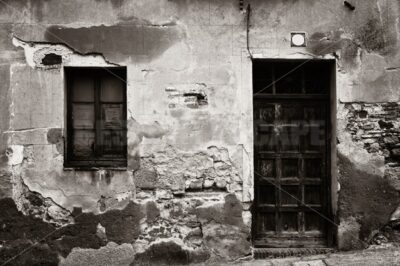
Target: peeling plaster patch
395 215
168 252
45 208
182 221
154 130
164 230
81 189
195 99
223 228
136 133
36 52
101 232
189 95
117 200
32 203
51 59
15 154
183 171
322 43
112 254
123 196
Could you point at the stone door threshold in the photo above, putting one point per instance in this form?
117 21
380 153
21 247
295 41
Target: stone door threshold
264 253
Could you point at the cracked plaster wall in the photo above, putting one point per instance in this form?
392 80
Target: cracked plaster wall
189 119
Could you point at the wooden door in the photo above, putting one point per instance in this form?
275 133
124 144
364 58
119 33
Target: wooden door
291 123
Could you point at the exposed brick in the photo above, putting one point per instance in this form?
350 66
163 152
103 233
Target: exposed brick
378 129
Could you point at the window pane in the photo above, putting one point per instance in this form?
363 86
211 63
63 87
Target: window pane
269 221
312 168
267 113
262 78
83 89
83 116
265 140
112 115
83 143
267 194
314 139
312 195
267 168
291 113
313 221
317 78
289 167
113 141
314 114
288 78
289 195
112 89
290 138
96 118
289 221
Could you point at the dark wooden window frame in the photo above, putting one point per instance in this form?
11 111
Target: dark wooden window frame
272 96
98 160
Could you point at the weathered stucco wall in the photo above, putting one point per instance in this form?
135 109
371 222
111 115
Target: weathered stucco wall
188 187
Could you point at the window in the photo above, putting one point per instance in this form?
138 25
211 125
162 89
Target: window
96 117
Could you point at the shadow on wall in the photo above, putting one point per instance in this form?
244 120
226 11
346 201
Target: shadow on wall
131 41
43 242
365 199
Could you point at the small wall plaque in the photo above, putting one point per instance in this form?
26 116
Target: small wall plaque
298 39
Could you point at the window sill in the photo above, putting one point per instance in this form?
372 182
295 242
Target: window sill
95 165
93 168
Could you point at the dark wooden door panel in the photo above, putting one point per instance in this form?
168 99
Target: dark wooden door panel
291 153
290 172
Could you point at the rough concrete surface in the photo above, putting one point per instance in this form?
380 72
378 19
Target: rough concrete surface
187 190
373 256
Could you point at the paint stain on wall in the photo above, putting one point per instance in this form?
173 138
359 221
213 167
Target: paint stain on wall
118 42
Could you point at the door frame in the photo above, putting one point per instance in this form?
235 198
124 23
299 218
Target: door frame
332 187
